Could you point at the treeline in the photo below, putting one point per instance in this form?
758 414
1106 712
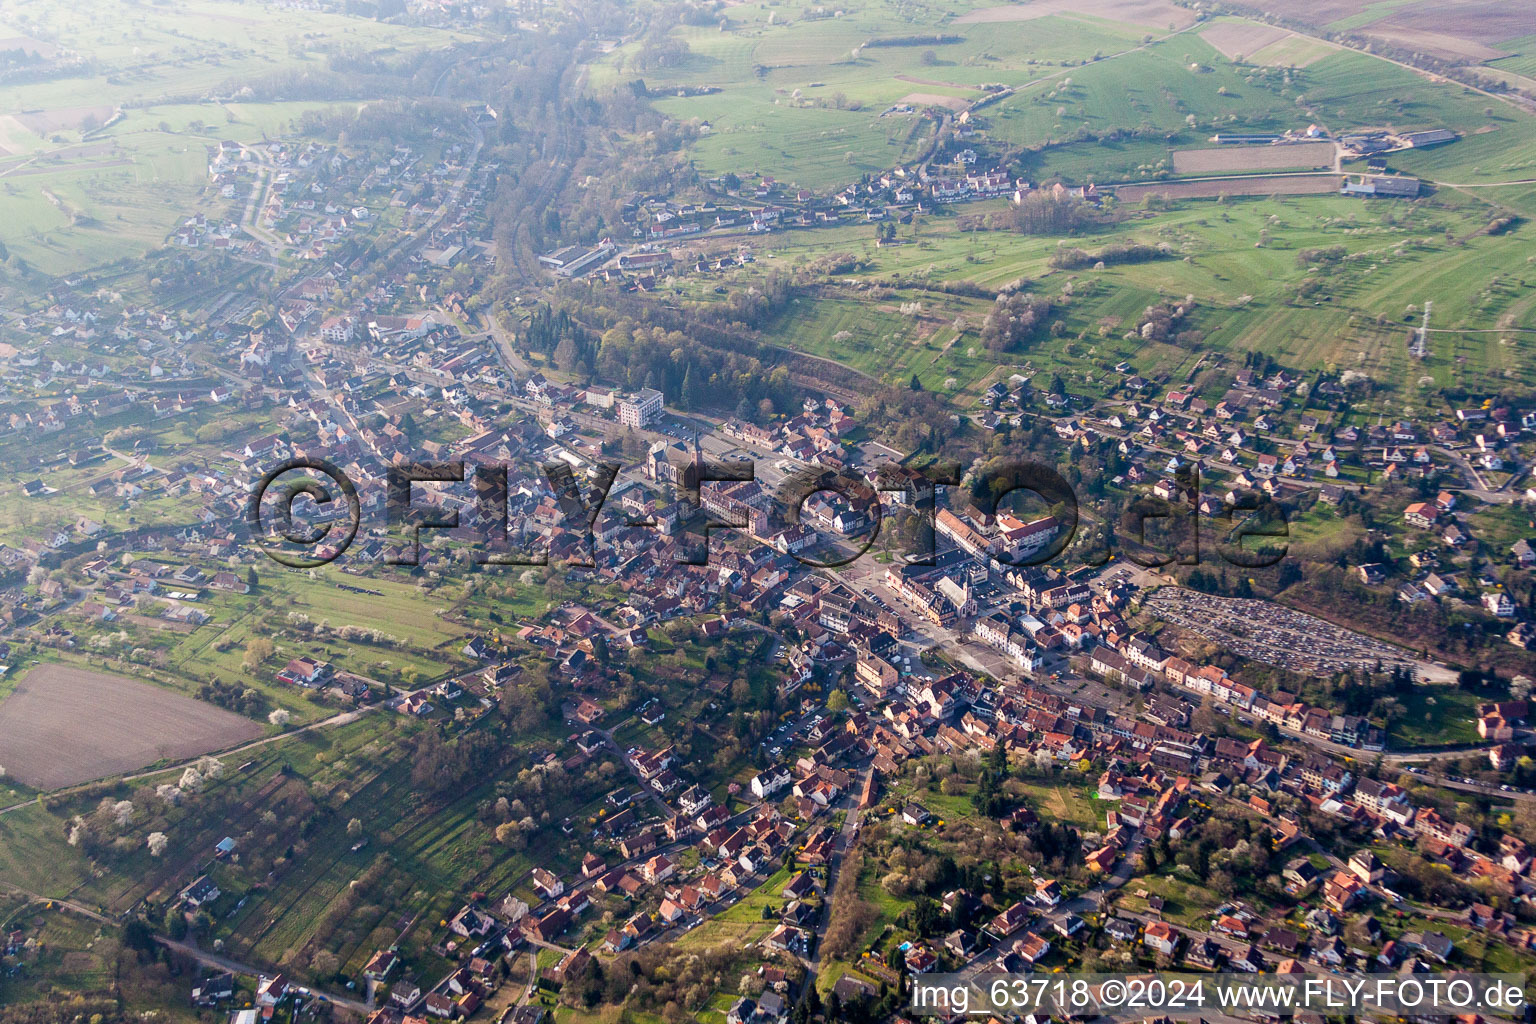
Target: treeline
1324 256
1162 322
916 40
66 1010
691 374
383 124
555 334
659 980
1073 258
1014 320
441 767
920 423
243 700
1041 213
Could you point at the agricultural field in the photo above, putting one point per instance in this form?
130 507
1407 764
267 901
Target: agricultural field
50 735
1227 159
1256 185
1522 56
1264 45
1471 30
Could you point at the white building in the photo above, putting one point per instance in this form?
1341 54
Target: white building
640 409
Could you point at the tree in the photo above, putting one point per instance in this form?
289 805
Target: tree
915 385
257 650
686 396
157 843
355 828
837 700
324 963
138 936
565 354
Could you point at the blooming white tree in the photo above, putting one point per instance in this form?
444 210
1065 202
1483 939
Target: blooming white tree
279 717
191 781
157 842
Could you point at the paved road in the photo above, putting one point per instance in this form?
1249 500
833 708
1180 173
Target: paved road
224 963
840 846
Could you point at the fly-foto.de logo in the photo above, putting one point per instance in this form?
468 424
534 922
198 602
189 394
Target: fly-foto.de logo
307 512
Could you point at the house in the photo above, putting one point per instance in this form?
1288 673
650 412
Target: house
440 1005
305 672
1498 603
766 783
670 912
658 869
960 943
270 991
771 1008
214 989
1366 867
1436 945
1121 930
921 960
470 923
381 965
547 884
200 892
801 886
1011 920
1161 937
1032 948
915 814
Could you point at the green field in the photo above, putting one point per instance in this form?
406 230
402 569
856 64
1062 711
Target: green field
1436 715
166 82
804 98
1239 259
1522 59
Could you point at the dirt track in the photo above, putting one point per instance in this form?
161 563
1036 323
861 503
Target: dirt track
65 725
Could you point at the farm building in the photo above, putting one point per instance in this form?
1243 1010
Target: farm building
1432 137
1386 186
